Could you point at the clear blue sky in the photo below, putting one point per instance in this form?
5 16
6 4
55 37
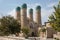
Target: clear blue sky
7 6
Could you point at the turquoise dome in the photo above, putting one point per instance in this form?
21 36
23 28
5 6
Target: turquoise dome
38 8
18 9
31 10
24 6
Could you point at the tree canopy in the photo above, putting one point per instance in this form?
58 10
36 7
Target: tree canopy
8 25
55 18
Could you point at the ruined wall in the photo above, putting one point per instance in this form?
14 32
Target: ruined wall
50 31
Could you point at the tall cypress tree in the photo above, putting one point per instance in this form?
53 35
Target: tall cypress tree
55 18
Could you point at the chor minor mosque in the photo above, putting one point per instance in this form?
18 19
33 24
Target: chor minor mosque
21 16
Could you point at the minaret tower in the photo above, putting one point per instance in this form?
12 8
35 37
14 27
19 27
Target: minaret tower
18 14
24 16
38 16
31 14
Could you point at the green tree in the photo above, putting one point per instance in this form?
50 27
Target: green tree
26 31
8 25
55 18
43 30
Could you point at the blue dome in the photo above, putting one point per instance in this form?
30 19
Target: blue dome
31 10
38 8
18 9
24 6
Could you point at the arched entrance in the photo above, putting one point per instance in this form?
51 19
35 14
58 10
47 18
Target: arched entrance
33 34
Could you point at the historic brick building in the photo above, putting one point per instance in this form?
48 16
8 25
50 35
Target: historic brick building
21 16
